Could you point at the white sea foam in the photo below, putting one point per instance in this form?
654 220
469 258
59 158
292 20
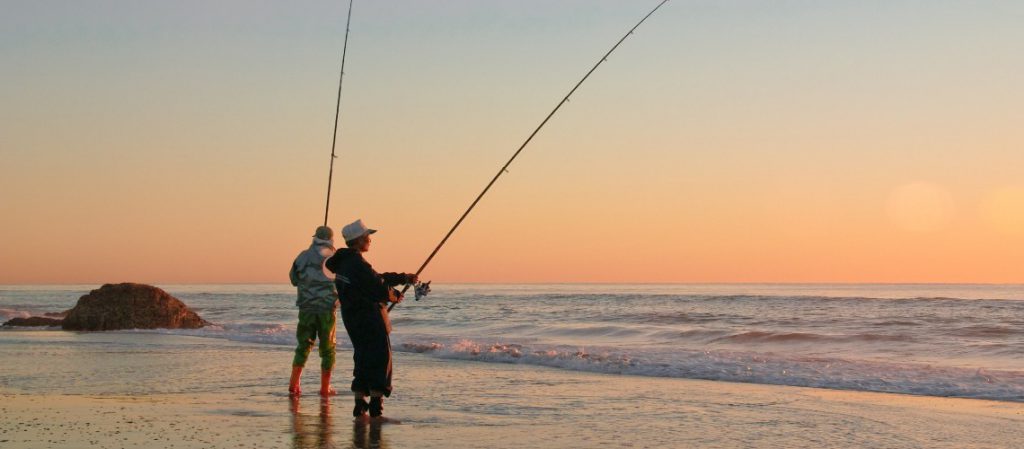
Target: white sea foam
910 378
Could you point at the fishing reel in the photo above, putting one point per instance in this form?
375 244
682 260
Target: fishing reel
421 290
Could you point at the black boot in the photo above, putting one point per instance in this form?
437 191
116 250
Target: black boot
360 408
376 406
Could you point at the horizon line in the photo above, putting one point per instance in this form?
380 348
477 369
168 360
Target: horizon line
2 284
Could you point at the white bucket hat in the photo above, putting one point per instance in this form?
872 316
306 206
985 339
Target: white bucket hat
355 230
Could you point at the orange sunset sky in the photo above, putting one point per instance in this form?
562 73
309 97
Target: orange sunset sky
746 141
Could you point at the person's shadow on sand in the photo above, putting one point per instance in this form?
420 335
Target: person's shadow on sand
315 433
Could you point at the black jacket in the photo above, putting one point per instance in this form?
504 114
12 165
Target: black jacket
359 286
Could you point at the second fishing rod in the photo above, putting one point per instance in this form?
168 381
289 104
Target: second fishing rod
504 168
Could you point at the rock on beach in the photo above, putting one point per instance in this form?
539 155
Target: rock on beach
130 306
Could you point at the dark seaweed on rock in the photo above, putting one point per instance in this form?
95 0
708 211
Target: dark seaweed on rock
33 321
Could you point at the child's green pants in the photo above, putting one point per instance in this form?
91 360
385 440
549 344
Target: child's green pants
315 326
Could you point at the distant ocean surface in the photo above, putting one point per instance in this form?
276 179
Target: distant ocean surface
939 340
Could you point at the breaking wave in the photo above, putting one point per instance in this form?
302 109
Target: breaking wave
908 378
800 337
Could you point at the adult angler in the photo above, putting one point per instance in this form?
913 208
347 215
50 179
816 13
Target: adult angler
364 295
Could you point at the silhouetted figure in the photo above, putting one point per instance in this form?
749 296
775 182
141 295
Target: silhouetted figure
364 295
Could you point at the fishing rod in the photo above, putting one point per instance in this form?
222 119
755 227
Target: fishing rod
504 168
337 112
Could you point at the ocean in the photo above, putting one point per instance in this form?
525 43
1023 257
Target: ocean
935 340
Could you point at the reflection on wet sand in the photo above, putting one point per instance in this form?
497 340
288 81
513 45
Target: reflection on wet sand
309 432
366 435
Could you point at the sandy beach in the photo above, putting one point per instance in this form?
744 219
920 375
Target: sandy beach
96 396
640 224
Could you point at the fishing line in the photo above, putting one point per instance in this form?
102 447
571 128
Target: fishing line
337 113
504 168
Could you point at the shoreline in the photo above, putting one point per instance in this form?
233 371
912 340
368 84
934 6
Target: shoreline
213 340
152 390
343 351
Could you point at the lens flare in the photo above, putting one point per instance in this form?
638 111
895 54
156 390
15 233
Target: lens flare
920 207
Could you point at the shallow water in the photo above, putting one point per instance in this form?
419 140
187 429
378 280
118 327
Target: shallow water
113 389
940 340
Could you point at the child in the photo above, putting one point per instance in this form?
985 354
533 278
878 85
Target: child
317 302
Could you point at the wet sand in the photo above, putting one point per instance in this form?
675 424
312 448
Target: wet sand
444 403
